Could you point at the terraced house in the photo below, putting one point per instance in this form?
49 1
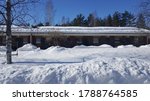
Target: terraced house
71 36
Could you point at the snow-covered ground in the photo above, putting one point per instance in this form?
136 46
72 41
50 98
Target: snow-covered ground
81 64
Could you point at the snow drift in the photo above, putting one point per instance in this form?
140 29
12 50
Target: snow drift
2 48
100 70
27 47
79 65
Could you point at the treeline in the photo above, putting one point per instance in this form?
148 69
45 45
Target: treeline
117 19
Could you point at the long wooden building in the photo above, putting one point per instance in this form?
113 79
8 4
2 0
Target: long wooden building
71 36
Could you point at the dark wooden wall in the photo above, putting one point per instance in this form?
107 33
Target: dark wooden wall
71 41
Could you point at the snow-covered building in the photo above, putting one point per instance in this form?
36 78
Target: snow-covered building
71 36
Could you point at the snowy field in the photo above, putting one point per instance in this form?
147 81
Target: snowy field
77 65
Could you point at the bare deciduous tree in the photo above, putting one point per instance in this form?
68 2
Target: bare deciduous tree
92 19
13 11
145 5
49 12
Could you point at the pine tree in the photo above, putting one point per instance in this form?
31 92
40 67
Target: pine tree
98 22
128 19
124 18
108 21
91 20
40 24
78 21
141 21
116 19
102 22
47 24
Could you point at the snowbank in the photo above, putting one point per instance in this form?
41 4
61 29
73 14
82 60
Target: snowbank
105 46
27 47
126 46
2 48
145 46
54 49
80 46
99 70
101 46
78 65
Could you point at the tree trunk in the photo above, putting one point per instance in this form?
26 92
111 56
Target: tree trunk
8 32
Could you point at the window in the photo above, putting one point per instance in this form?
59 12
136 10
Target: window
3 40
38 40
136 39
79 41
117 38
95 40
25 40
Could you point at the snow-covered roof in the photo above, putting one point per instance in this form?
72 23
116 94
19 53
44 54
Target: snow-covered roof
78 30
95 30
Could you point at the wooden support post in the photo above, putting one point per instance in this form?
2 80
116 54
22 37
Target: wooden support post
31 39
147 39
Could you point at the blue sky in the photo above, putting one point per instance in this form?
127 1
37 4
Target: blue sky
70 8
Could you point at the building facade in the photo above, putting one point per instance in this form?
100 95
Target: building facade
71 36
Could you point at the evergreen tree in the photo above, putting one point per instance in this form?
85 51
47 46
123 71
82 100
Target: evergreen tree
141 21
47 24
98 22
102 22
128 19
40 24
124 18
91 20
108 21
78 21
116 19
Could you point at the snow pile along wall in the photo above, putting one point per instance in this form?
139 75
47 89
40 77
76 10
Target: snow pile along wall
27 47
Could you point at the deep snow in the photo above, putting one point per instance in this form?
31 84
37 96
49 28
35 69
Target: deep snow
80 64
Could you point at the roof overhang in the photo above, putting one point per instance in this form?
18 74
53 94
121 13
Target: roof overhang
78 31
